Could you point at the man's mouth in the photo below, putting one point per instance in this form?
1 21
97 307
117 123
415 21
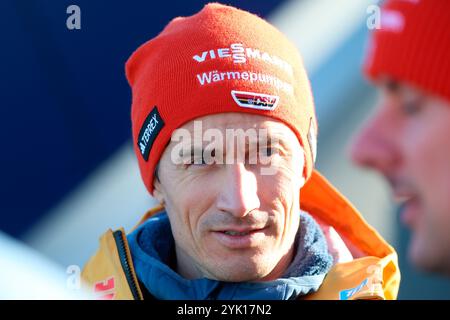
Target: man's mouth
410 208
401 199
236 233
241 232
240 238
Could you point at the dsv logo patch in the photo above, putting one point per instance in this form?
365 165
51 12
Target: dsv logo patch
255 100
149 131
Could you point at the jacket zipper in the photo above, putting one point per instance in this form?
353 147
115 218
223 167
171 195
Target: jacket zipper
125 262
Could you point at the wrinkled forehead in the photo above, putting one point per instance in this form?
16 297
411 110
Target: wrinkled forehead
238 124
233 120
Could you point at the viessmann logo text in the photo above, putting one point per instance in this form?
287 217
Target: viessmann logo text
240 54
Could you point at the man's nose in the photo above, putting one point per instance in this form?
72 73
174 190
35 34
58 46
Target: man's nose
239 192
374 146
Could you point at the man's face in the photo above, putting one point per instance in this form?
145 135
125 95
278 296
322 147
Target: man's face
407 140
233 220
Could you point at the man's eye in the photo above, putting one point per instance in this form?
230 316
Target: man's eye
411 107
198 161
268 151
205 158
202 160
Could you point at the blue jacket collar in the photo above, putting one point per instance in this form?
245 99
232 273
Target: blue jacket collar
152 251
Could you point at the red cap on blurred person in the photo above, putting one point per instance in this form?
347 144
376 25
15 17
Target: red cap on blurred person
413 45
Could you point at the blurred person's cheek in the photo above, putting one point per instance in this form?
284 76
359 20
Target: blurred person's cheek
427 161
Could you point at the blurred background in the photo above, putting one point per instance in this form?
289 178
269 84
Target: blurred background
67 166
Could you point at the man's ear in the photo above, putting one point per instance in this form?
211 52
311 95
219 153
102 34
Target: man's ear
158 194
302 181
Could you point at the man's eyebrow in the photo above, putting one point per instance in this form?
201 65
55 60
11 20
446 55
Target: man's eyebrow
274 139
186 154
192 150
196 150
391 85
270 139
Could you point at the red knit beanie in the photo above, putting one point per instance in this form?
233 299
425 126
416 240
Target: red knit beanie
219 60
413 45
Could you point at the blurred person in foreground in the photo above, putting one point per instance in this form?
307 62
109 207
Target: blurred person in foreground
407 138
224 130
